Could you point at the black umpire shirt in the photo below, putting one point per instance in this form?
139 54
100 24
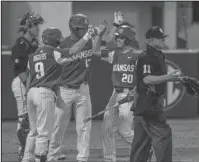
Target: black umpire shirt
20 53
150 62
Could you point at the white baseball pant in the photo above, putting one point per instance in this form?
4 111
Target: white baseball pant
41 111
80 99
117 119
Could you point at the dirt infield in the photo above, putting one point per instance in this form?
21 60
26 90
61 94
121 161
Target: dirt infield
185 142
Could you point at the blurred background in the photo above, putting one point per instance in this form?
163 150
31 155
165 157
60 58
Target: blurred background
180 20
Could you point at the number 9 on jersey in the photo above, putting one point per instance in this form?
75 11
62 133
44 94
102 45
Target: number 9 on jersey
39 69
127 78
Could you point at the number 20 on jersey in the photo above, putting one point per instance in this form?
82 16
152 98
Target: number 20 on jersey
127 78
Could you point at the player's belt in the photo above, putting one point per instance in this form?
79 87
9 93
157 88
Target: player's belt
122 89
73 86
77 86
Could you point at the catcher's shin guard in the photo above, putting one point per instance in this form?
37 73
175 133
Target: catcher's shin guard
23 130
21 153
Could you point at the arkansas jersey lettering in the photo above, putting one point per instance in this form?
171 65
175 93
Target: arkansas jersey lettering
123 68
80 55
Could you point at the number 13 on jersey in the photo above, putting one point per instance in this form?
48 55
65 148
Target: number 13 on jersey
127 78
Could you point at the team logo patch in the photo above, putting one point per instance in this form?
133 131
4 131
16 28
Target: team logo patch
175 90
16 61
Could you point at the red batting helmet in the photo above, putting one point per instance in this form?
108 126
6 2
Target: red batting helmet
52 36
78 21
126 32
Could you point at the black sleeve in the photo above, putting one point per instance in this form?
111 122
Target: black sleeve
20 52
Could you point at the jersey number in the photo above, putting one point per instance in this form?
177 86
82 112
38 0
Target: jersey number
39 69
147 69
87 62
127 78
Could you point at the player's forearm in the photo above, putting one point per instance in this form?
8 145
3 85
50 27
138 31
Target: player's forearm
77 47
97 45
111 35
152 79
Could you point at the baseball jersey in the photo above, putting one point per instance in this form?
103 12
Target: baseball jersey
123 67
77 70
20 52
43 68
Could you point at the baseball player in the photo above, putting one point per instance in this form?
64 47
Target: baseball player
119 118
44 70
75 89
24 45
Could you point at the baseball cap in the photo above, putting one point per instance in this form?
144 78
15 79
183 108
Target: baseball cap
155 32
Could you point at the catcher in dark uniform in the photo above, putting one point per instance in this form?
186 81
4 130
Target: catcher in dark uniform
24 45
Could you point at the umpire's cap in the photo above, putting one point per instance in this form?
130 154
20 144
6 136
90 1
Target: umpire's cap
155 32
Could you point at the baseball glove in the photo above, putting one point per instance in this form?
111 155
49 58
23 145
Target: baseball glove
191 84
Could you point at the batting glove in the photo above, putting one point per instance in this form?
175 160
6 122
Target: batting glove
118 18
90 33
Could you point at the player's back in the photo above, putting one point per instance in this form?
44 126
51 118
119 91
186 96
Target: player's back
123 68
44 69
76 71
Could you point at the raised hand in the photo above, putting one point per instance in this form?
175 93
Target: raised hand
100 30
118 18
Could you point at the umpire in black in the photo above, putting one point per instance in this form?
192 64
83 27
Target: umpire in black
150 126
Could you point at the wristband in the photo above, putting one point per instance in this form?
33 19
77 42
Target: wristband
116 25
86 37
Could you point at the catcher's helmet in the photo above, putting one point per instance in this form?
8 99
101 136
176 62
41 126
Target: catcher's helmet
52 36
126 32
78 21
30 19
